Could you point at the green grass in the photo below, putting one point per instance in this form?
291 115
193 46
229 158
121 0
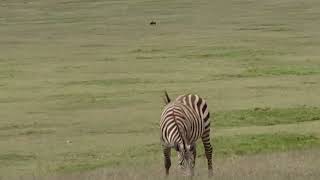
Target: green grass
265 116
12 157
286 70
263 143
227 146
81 81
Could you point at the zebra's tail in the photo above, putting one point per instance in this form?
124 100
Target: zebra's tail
166 98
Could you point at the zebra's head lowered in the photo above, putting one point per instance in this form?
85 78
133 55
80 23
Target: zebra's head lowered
186 159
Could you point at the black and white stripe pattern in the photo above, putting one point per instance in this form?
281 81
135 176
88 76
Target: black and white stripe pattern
182 123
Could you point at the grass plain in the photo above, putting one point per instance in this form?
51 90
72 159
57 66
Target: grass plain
81 84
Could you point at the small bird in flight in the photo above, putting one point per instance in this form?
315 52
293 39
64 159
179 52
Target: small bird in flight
153 23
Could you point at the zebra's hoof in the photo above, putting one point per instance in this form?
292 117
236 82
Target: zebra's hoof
210 174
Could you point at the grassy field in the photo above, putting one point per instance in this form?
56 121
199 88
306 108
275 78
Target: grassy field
293 165
81 84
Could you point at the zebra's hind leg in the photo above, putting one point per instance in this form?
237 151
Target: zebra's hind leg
167 160
208 151
194 152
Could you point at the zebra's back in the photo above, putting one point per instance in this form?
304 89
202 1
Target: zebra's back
178 120
198 104
190 113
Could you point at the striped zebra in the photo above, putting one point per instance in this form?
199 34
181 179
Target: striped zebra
183 122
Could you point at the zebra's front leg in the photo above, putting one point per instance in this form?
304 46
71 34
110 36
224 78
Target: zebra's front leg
167 160
208 152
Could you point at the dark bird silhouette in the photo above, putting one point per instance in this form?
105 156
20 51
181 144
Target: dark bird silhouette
153 23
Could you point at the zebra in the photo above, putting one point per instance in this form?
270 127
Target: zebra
183 121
